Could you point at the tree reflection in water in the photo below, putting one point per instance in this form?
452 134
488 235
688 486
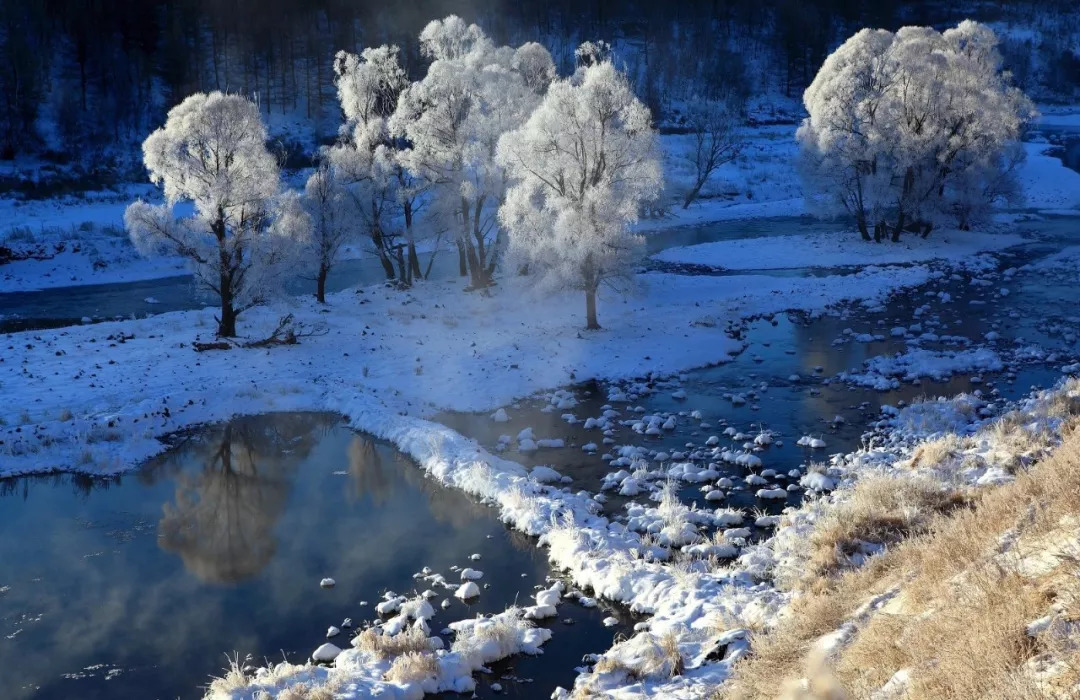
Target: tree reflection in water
367 475
222 521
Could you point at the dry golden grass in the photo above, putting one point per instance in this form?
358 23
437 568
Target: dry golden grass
413 667
305 691
880 511
232 680
502 631
933 453
657 657
385 646
961 605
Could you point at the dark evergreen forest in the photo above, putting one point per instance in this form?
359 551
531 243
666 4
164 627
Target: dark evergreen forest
81 77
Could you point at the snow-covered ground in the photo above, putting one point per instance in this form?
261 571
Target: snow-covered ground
96 398
835 250
99 399
761 181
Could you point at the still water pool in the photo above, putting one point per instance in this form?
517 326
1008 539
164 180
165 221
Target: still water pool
136 586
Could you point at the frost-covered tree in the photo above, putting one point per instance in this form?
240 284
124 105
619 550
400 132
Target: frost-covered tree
212 153
325 221
713 126
911 128
582 164
451 120
364 161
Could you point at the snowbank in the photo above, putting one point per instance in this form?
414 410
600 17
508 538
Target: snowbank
1046 182
98 398
836 250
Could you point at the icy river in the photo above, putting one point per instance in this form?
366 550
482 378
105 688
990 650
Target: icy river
138 585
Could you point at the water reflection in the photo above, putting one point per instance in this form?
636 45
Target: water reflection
367 476
222 520
135 586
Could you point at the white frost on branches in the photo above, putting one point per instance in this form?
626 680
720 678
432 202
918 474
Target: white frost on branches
451 120
908 129
582 164
364 163
212 152
324 220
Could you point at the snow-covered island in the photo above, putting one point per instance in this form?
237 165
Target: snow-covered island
766 394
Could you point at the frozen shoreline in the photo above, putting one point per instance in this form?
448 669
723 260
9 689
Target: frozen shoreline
760 183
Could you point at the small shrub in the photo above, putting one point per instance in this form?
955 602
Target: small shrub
413 667
385 645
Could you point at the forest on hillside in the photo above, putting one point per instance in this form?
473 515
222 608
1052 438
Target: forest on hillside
87 79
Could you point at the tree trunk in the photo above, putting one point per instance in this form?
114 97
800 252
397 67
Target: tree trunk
403 271
463 265
320 284
590 310
861 220
481 251
227 321
898 228
475 271
692 194
414 261
387 264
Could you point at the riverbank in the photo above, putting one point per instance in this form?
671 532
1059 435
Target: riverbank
98 398
77 241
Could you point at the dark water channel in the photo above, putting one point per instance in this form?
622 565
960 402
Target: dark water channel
1037 313
136 586
65 306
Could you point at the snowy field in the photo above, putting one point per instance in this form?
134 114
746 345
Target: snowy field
835 250
96 398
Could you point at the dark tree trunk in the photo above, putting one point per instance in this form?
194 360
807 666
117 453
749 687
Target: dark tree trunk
692 194
481 251
403 271
898 228
475 271
414 261
387 264
227 321
862 228
590 310
320 284
463 264
927 228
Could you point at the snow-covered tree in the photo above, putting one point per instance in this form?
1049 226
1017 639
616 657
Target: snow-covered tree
713 126
212 153
364 161
907 129
451 120
326 221
582 164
